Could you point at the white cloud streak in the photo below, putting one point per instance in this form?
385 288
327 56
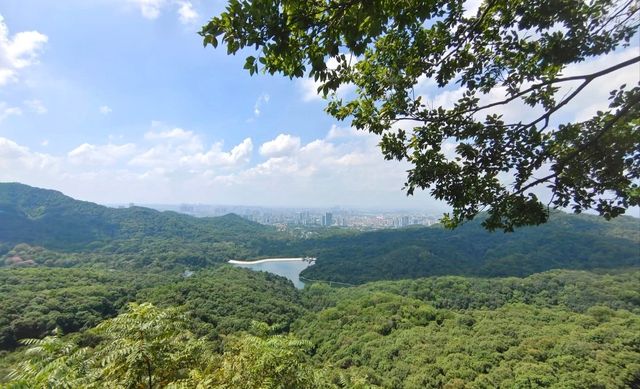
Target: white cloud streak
36 106
7 111
105 109
262 100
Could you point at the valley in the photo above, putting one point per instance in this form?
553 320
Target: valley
543 306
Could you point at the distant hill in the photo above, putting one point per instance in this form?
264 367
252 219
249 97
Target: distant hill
52 220
45 227
566 242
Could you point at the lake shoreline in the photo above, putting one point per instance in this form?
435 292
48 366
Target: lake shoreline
267 260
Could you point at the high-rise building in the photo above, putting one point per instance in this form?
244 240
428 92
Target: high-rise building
327 219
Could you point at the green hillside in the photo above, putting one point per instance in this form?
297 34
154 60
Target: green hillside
45 227
50 219
37 225
450 309
570 329
565 242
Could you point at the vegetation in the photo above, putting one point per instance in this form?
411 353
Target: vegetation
123 312
161 241
35 301
151 347
566 242
511 53
225 300
546 330
47 218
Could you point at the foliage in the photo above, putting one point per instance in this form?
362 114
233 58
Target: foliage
557 328
278 361
37 300
226 299
562 328
54 221
509 52
148 347
52 363
399 342
566 242
571 290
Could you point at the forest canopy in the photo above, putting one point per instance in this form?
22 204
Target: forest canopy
509 52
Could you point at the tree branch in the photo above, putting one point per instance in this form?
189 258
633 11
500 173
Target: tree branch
561 164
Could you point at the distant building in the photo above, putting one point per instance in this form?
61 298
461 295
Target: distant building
327 219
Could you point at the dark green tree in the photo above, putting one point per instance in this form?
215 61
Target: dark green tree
515 49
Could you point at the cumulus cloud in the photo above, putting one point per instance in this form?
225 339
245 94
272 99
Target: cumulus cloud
215 156
282 145
181 149
336 132
18 52
186 13
18 162
150 9
173 165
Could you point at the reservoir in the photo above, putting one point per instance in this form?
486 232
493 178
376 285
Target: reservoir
286 267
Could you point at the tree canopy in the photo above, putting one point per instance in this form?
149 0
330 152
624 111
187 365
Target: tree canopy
509 52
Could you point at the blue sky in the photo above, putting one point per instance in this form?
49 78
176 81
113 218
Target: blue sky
117 101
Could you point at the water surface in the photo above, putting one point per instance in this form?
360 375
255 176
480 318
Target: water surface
290 269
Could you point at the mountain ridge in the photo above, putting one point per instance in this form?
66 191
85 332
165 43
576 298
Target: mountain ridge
51 219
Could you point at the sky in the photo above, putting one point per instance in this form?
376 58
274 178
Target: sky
117 101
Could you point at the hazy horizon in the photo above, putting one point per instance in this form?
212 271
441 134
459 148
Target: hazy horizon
143 113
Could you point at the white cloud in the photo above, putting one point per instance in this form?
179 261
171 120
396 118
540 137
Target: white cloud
150 9
176 133
181 149
216 157
591 99
257 107
18 162
108 154
36 106
186 13
6 111
282 145
309 87
176 165
105 109
595 96
336 132
18 52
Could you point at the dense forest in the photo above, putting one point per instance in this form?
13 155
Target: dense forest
98 297
232 327
566 242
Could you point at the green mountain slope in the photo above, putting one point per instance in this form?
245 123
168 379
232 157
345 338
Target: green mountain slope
50 219
566 241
